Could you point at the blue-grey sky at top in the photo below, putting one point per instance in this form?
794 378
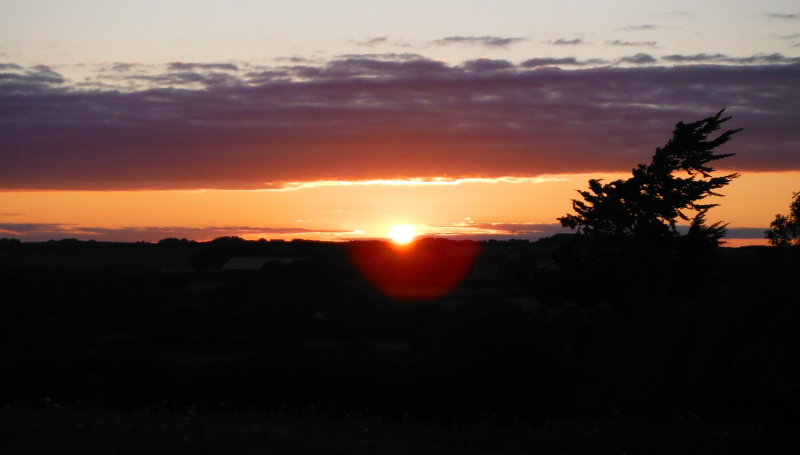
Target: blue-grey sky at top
57 32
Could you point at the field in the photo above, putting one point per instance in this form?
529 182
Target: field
163 346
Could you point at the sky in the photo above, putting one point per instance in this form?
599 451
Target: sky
334 120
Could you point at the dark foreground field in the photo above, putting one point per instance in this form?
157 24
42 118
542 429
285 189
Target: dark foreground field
142 348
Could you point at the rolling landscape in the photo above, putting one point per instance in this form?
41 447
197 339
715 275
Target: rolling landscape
520 355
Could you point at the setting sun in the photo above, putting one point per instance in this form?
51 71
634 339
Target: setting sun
402 233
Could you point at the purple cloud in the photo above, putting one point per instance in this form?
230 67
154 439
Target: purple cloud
365 118
181 66
563 61
486 64
487 41
562 41
638 59
758 59
37 232
632 43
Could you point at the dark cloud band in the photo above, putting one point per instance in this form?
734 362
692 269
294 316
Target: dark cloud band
365 118
37 232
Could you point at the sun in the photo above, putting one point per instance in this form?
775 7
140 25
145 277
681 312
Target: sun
402 233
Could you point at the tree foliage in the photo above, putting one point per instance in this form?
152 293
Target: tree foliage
785 229
676 183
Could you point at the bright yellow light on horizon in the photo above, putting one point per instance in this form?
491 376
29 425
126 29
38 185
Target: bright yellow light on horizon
402 233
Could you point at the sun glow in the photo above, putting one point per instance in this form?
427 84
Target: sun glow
402 233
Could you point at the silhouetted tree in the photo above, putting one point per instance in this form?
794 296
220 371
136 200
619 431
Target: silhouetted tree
6 243
647 206
785 229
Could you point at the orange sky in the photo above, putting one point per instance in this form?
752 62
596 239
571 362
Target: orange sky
357 210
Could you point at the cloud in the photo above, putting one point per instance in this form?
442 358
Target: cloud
38 232
758 59
782 16
632 43
564 61
296 60
470 230
181 66
565 42
745 233
641 27
370 119
486 64
703 57
432 181
29 79
373 42
384 56
12 214
486 41
123 67
638 59
188 78
501 231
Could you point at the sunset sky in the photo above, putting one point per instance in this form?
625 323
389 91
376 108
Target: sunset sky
141 120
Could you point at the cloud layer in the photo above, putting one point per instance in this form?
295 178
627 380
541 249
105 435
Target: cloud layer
225 125
39 232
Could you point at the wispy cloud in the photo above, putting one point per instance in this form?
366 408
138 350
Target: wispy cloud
122 66
296 60
758 59
567 42
641 27
486 41
431 181
372 42
563 61
638 59
471 230
184 66
632 43
389 56
34 232
782 16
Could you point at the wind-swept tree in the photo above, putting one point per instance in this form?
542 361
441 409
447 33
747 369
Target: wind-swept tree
673 187
785 230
